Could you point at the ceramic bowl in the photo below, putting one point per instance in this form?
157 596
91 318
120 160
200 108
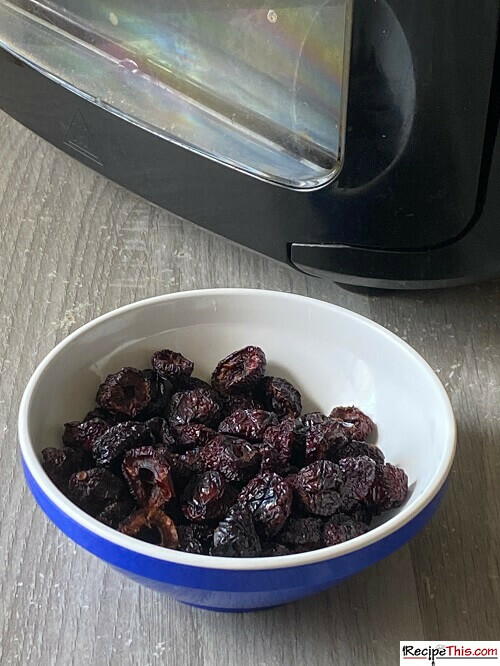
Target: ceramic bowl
334 356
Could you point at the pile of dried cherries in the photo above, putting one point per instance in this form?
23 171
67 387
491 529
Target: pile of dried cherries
230 468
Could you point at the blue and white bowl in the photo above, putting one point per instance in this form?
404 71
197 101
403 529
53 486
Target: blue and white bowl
334 356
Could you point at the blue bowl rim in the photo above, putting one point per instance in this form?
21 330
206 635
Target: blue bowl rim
407 512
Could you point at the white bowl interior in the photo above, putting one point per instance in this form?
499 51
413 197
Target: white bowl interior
333 356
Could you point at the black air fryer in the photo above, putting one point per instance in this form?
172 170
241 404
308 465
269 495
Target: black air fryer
354 139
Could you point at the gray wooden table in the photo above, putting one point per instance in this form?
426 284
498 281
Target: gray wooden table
74 246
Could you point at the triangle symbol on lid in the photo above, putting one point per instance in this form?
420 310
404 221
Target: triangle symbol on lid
79 138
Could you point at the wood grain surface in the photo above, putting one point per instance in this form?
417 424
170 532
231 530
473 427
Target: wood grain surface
74 246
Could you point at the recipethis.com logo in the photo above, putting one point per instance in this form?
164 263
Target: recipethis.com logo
450 653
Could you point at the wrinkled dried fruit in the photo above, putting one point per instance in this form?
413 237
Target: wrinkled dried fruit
207 497
161 390
103 414
322 439
269 499
113 514
173 509
127 392
191 435
196 406
147 472
354 449
302 531
170 364
294 424
60 464
341 528
195 539
319 486
192 461
81 435
280 396
390 487
160 431
185 383
360 512
233 452
93 489
240 371
274 550
235 536
312 419
306 548
359 475
144 519
180 472
233 401
287 443
250 424
121 438
269 461
357 424
235 458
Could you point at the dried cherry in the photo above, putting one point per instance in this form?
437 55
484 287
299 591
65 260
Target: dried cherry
170 364
192 461
197 406
390 488
93 489
81 435
161 390
313 419
192 435
235 458
280 396
120 438
322 439
144 519
286 443
195 538
319 486
126 392
355 449
147 472
240 371
250 424
341 528
359 475
302 532
207 497
235 536
274 550
104 415
113 514
233 401
269 499
60 464
160 431
357 424
360 512
185 383
269 461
